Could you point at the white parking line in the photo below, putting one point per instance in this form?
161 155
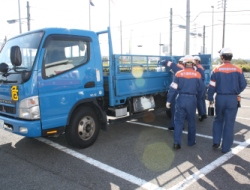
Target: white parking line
164 128
105 167
245 106
210 167
140 182
243 118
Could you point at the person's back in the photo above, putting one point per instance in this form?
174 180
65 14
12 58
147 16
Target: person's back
187 86
187 83
227 81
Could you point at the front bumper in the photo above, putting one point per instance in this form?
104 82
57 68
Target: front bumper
22 127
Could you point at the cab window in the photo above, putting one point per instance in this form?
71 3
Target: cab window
64 53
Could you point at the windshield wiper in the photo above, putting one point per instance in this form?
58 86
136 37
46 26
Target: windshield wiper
17 67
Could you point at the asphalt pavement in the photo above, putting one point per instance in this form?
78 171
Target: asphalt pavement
136 154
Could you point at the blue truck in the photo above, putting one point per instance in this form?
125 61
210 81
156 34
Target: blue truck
56 81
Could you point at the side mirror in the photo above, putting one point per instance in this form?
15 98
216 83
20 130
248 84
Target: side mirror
15 56
4 68
26 76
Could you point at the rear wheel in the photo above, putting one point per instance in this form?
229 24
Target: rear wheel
83 129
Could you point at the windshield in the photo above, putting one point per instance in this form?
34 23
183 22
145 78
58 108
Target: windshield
28 45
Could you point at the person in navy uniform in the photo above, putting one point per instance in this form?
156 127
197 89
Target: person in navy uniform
201 97
175 68
227 81
187 84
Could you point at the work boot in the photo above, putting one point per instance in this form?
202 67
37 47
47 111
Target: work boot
201 118
204 116
177 146
215 146
171 128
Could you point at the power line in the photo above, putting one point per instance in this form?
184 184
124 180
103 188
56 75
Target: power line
218 12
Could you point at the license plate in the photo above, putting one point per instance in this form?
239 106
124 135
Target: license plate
1 123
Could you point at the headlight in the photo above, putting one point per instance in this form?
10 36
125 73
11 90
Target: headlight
29 108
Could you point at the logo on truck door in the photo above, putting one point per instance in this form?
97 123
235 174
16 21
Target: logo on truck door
14 93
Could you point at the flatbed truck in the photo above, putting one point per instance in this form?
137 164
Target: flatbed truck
55 81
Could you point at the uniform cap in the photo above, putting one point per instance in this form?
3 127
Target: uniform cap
226 50
188 59
181 59
197 58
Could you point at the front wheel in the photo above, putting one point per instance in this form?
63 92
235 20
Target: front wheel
83 129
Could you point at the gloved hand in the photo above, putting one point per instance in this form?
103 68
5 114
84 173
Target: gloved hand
168 105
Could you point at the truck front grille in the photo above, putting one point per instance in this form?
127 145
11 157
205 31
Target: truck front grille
7 109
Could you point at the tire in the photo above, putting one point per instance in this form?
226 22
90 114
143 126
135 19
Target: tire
83 129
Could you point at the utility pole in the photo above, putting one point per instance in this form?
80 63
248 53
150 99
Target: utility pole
19 13
130 42
109 13
224 22
160 45
121 34
90 15
188 28
28 16
204 34
171 32
212 43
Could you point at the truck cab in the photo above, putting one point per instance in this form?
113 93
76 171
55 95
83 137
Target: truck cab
46 76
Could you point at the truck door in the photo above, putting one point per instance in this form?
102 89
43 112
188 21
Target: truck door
67 76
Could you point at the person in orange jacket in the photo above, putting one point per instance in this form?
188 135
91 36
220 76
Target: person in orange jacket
227 81
187 84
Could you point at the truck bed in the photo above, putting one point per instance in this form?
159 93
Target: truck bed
134 75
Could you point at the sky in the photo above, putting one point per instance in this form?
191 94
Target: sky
139 26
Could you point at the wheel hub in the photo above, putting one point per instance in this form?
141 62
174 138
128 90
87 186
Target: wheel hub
86 128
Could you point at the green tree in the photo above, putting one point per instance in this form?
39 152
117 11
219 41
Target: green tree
239 62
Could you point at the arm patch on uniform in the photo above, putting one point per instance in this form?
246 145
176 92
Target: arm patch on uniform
174 85
212 83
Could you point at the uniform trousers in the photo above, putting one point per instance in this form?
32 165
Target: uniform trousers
201 103
223 126
185 109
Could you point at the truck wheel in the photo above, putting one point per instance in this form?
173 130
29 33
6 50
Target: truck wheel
83 129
